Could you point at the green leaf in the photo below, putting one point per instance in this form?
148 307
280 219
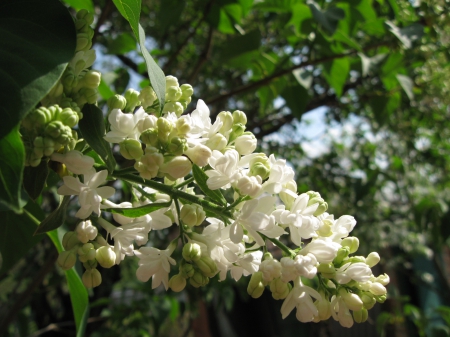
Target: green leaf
78 293
155 73
122 44
92 128
137 212
296 97
328 19
16 236
81 4
12 153
201 178
130 10
56 218
104 90
38 38
300 13
406 35
336 73
240 44
170 13
407 84
34 179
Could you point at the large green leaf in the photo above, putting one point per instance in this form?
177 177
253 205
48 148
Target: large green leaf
38 38
12 153
201 178
336 73
81 4
296 97
137 212
329 18
240 44
34 179
56 218
130 10
92 128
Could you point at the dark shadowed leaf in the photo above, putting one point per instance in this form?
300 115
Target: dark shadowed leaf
136 212
56 218
34 179
201 178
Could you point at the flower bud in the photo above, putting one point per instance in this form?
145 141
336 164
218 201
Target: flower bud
192 215
147 97
259 166
239 117
187 91
86 231
171 81
86 252
131 149
207 266
177 167
175 107
105 256
199 154
177 283
255 287
85 15
246 143
67 259
149 164
341 255
279 289
198 280
216 142
92 79
83 42
249 185
360 316
327 270
372 259
70 240
352 301
377 289
173 93
325 228
187 270
116 102
314 198
368 300
148 122
164 129
289 195
323 306
43 146
227 121
352 243
236 131
383 279
132 98
177 146
54 129
91 278
150 137
191 252
380 299
183 125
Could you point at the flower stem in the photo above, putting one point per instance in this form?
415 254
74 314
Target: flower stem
184 183
289 252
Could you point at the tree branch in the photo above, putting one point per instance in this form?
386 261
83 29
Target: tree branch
103 16
204 56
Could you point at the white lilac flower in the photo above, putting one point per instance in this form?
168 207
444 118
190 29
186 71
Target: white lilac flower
342 227
341 312
358 271
280 174
89 193
271 269
300 297
85 231
199 154
225 170
82 60
75 161
246 265
325 251
299 266
124 125
154 263
201 123
250 186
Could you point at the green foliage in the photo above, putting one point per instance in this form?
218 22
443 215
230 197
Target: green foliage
56 219
136 212
200 178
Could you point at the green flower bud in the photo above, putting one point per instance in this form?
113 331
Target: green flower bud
325 228
147 97
352 243
255 287
372 259
176 107
227 119
67 102
383 279
91 278
187 91
173 93
43 146
239 117
352 301
360 316
192 215
187 270
198 280
164 129
341 255
67 259
132 98
90 264
192 252
207 266
314 198
176 167
259 169
116 102
355 259
86 252
65 137
323 306
68 117
377 289
171 81
69 80
216 142
149 164
183 127
177 283
381 298
70 240
236 131
368 300
85 15
327 270
150 137
131 149
177 146
105 256
92 79
279 289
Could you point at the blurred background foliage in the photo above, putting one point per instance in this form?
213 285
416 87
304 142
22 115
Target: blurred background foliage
353 93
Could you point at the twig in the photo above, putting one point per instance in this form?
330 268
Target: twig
103 16
58 326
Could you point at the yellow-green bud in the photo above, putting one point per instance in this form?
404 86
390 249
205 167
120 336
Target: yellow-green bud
176 107
116 102
90 264
106 256
207 266
43 146
381 299
279 289
325 228
173 93
147 97
187 91
327 270
236 131
150 137
383 279
91 278
70 240
314 198
352 243
216 142
239 117
176 167
368 300
352 301
131 149
164 129
192 215
192 252
187 270
183 126
86 252
177 283
171 81
177 146
227 119
256 287
341 255
372 259
355 259
360 316
85 15
132 97
198 280
323 306
83 42
260 166
68 117
92 79
67 259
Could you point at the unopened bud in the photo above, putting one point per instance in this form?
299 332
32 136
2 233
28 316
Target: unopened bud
116 102
192 215
176 167
198 280
207 266
92 79
239 117
70 240
341 255
177 146
377 289
246 143
372 259
187 270
327 270
192 252
236 131
171 81
227 121
67 259
352 243
175 107
383 279
147 97
131 149
150 137
132 97
183 125
187 91
368 300
177 283
216 142
173 93
106 256
314 198
164 129
86 252
256 287
352 301
360 316
199 154
279 289
91 278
